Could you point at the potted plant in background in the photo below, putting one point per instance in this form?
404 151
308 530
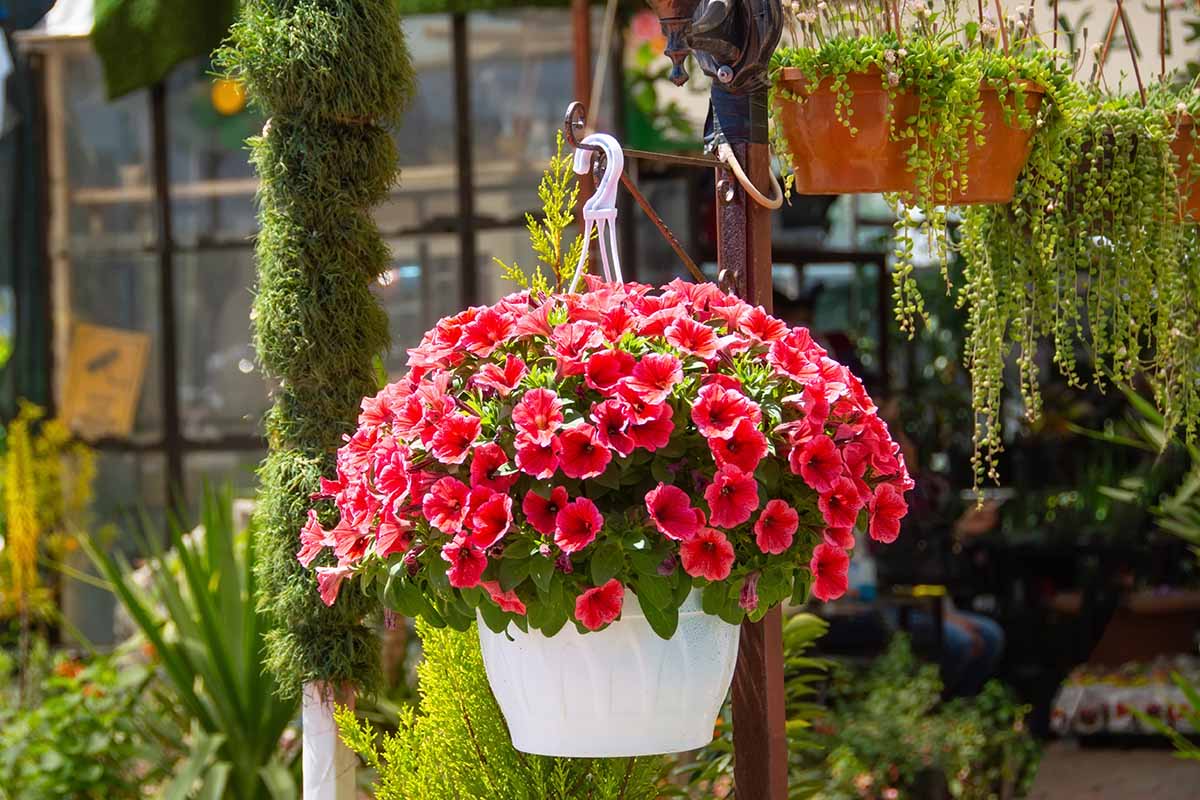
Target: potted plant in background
610 482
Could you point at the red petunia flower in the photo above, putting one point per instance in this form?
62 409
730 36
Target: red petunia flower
542 511
616 322
692 337
570 343
576 525
454 438
744 449
886 510
732 497
654 376
840 537
502 379
583 455
329 581
313 539
490 328
467 564
841 504
394 536
612 419
508 601
445 505
490 520
718 410
601 605
538 460
538 415
776 527
608 368
672 512
819 462
830 570
708 555
486 461
654 431
760 325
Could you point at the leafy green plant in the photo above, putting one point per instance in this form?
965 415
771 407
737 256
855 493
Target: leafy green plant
455 743
888 735
82 740
558 193
710 771
200 617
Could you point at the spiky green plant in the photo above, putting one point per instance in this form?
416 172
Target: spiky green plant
329 75
456 744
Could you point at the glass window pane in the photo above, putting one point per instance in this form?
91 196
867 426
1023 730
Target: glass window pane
220 470
421 288
222 391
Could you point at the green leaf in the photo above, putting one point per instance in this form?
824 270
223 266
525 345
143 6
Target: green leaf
541 569
513 570
712 599
663 621
607 563
493 617
656 591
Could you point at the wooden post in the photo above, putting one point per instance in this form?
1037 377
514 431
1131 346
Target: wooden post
581 54
744 262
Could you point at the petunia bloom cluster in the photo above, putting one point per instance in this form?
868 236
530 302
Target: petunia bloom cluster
547 457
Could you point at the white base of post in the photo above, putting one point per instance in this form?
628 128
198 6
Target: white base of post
329 766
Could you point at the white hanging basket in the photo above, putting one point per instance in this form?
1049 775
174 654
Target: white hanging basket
622 691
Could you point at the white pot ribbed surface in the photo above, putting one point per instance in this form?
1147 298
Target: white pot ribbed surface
622 691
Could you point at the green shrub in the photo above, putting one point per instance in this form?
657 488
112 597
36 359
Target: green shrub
456 744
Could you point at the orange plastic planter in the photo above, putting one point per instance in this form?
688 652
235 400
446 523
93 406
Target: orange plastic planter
828 159
1187 143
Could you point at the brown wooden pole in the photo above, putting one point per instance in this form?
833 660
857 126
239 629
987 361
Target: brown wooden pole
581 45
744 262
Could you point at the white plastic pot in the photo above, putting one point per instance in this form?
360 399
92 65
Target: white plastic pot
622 691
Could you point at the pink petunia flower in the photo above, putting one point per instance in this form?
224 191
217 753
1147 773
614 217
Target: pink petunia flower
672 512
819 462
886 510
539 460
840 506
394 536
576 525
707 555
538 415
467 564
583 455
542 511
313 539
760 325
490 520
329 581
508 601
445 505
654 430
732 497
601 605
744 449
830 568
608 368
654 376
490 328
612 418
486 460
776 527
454 438
502 379
692 337
718 410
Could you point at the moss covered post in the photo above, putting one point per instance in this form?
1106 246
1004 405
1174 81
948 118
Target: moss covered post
330 76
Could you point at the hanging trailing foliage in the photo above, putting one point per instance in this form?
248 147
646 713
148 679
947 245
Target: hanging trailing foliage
329 75
1097 253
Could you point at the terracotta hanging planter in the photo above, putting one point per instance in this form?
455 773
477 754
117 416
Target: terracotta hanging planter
829 159
1186 147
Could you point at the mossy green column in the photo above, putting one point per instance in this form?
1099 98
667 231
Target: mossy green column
329 75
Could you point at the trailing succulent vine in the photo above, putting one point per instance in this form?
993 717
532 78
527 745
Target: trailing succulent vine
329 75
1097 248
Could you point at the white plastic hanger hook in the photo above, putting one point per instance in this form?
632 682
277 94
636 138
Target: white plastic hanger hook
600 210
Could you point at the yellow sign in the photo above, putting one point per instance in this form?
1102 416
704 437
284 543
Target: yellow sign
104 380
